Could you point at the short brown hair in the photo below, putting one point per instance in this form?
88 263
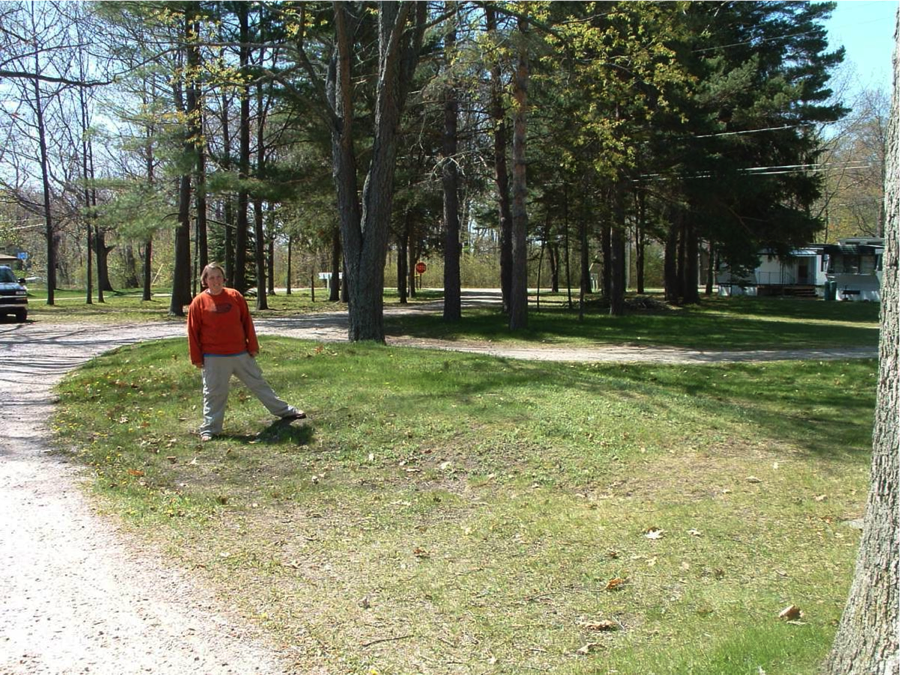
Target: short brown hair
209 268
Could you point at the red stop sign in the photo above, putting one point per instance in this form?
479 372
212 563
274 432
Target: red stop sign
420 268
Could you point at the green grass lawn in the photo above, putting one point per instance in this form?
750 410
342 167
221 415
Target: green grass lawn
717 323
454 513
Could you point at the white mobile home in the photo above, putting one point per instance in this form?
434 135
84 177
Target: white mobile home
848 270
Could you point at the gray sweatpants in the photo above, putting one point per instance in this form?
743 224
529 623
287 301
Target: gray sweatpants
217 371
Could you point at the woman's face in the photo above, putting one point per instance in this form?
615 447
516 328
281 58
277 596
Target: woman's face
215 281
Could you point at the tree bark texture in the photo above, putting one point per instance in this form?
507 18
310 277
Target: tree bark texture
501 171
670 266
148 270
337 266
450 185
606 247
181 278
181 274
49 229
243 202
365 227
402 243
195 127
867 638
617 254
691 269
259 249
639 241
584 259
259 254
518 307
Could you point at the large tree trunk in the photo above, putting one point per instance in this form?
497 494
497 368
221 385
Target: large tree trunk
148 270
270 250
129 267
195 126
102 252
228 205
148 244
639 240
365 227
567 230
501 172
259 254
617 254
337 265
867 638
288 271
554 267
402 253
606 247
450 185
181 274
670 265
691 259
258 220
181 278
585 252
239 280
412 256
49 229
518 306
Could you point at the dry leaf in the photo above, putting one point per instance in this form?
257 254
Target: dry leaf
136 472
821 498
615 584
600 626
588 648
791 613
694 533
421 553
754 479
653 533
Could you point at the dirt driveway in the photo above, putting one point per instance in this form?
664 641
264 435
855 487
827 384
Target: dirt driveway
78 596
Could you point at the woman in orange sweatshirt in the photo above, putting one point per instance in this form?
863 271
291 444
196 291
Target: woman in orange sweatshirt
223 343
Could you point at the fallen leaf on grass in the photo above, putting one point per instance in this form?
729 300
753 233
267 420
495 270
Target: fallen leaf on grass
421 553
791 613
588 648
135 472
615 584
600 626
694 533
754 479
653 533
821 498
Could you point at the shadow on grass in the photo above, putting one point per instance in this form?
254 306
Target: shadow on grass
718 326
279 432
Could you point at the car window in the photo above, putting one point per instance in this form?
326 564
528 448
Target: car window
6 275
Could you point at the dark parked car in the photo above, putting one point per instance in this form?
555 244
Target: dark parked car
13 296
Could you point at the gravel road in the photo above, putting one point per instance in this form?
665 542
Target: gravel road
80 596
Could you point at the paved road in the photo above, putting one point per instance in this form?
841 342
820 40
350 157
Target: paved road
77 596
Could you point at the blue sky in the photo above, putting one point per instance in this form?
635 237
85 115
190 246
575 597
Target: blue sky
866 29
